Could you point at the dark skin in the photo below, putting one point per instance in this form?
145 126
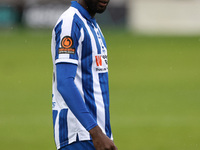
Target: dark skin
99 139
94 6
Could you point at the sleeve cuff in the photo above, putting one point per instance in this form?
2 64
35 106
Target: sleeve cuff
74 61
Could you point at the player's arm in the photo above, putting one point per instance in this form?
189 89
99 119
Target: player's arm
65 83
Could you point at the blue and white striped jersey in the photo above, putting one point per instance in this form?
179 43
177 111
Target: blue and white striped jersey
78 39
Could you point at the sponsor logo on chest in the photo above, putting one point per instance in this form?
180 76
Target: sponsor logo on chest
101 63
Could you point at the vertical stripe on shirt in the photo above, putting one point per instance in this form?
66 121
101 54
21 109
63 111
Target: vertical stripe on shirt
92 28
75 34
103 78
102 37
87 79
58 31
63 129
55 113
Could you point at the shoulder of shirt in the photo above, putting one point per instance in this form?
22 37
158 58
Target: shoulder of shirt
67 15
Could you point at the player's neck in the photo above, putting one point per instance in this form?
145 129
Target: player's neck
84 5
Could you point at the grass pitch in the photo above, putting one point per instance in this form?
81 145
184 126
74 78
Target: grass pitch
154 91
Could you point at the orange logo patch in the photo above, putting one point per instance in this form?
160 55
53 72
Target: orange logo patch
66 46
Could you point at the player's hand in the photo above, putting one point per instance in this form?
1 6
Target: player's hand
100 140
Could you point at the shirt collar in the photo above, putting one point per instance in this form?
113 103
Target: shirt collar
83 12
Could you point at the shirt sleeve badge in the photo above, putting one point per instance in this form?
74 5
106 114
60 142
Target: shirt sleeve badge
66 46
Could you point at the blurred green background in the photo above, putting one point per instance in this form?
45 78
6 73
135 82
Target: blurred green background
154 90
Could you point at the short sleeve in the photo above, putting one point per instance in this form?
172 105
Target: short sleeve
67 35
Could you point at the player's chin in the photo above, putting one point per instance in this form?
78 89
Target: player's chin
100 10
